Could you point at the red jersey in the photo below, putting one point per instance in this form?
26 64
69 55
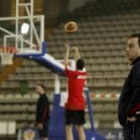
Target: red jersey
76 82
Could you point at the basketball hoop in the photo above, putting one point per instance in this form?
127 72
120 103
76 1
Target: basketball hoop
6 54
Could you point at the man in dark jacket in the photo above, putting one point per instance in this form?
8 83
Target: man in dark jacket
129 101
42 112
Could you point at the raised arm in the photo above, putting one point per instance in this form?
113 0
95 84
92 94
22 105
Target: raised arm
66 54
76 53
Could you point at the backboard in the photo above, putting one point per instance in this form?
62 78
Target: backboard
23 31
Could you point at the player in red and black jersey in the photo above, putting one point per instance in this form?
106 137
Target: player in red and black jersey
75 106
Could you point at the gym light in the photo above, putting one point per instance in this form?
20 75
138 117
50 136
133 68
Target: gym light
25 28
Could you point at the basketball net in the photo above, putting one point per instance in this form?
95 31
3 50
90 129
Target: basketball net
6 54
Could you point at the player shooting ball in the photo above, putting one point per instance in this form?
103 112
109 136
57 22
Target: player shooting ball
75 106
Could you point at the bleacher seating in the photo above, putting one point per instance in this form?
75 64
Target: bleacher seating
101 40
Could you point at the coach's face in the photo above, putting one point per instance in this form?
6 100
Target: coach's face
132 49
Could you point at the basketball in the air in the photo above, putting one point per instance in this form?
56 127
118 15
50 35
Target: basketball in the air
71 27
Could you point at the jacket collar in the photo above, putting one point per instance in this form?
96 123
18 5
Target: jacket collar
135 61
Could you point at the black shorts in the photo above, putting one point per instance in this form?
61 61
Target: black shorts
76 117
43 133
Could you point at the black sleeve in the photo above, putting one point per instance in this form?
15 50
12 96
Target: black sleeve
134 104
43 110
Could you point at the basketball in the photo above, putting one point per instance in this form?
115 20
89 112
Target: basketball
71 27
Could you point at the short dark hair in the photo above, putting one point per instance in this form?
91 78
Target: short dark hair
137 35
41 85
80 64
